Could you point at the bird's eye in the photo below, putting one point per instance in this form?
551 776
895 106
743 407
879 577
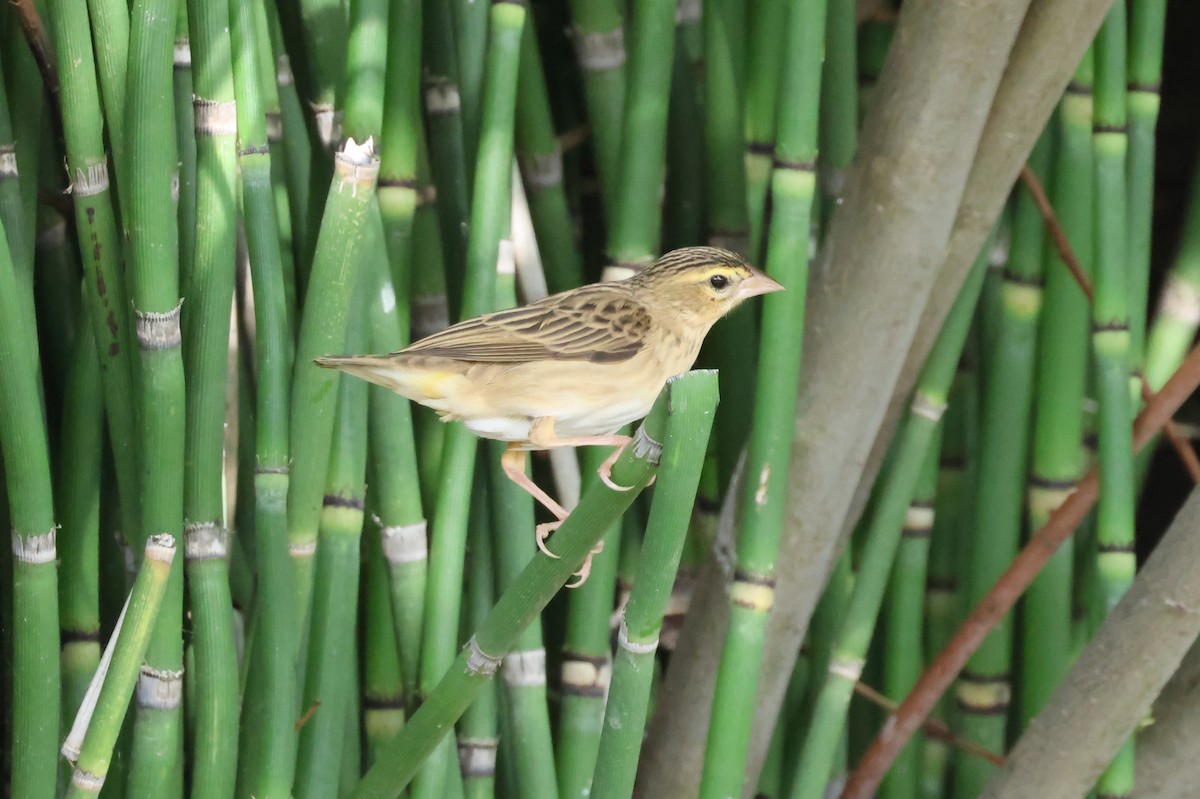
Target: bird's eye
718 282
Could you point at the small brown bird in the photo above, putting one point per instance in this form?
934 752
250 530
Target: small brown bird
573 368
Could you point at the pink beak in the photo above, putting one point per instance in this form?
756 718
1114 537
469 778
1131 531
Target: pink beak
756 284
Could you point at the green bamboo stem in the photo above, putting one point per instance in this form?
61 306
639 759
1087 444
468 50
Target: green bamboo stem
1147 20
213 756
470 29
874 39
685 196
110 25
270 697
1178 315
78 492
323 29
689 422
586 667
517 608
525 722
25 92
985 688
839 102
185 141
895 491
99 243
383 683
752 591
768 23
335 588
634 216
540 158
401 137
488 218
352 752
298 158
323 331
365 69
904 628
35 672
154 290
1057 458
92 752
447 155
478 730
1112 345
15 178
599 39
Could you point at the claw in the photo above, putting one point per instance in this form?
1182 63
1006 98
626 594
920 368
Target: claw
605 470
586 568
541 533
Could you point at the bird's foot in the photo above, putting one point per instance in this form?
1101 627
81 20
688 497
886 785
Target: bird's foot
605 470
543 531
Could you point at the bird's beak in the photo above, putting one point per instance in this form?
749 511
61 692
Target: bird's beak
756 284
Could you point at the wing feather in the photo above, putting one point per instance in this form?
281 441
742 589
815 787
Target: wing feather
603 323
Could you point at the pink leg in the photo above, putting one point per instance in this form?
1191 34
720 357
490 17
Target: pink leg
542 435
513 464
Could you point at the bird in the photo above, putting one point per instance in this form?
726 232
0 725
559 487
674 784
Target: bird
570 369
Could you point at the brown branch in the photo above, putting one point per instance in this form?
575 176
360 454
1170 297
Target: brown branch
1061 243
907 719
43 53
933 728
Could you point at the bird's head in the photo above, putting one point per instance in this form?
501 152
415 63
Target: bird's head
702 284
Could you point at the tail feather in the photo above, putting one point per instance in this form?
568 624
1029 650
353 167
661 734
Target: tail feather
426 386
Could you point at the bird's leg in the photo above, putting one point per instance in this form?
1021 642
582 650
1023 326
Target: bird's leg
513 464
542 435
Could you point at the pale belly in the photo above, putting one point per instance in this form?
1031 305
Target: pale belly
567 424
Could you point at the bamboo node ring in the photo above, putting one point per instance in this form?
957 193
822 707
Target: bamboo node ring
634 647
480 663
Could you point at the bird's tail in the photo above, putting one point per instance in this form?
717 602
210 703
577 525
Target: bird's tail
420 385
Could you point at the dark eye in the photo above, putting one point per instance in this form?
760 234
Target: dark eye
718 282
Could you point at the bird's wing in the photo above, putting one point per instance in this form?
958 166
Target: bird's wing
601 323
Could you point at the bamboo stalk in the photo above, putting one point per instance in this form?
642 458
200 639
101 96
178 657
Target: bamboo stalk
154 290
110 25
519 606
185 141
95 222
904 629
322 331
689 422
599 38
330 662
1111 345
36 683
1057 456
894 495
839 101
793 186
478 730
209 289
768 23
448 538
92 755
383 682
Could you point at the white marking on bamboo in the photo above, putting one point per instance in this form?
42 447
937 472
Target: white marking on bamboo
634 647
480 663
525 669
405 543
158 331
205 541
35 550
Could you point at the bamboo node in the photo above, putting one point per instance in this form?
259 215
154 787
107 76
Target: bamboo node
283 71
751 592
918 520
161 547
274 126
688 11
983 695
506 258
405 543
581 675
634 647
644 447
181 56
356 165
426 195
89 180
302 549
847 668
1045 499
158 331
53 235
35 550
215 118
159 689
86 780
8 161
205 541
430 313
1180 299
526 669
543 171
599 50
329 125
480 663
927 408
477 756
441 97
